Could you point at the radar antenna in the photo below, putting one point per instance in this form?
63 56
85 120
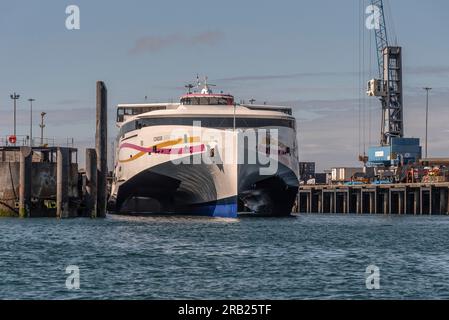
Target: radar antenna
189 87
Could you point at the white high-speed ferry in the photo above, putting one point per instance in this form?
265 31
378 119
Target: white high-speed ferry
205 155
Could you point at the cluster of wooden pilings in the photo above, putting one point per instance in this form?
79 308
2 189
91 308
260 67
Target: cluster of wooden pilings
29 185
414 199
74 197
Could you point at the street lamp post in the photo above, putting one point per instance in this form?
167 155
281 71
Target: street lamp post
31 100
42 125
15 97
427 117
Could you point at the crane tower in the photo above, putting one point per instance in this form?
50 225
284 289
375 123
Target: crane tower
388 87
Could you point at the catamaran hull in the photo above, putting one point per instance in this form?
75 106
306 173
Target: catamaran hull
207 190
207 172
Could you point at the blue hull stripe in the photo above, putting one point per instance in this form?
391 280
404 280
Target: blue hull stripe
219 211
225 208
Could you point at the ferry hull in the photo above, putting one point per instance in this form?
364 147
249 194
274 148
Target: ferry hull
207 190
208 160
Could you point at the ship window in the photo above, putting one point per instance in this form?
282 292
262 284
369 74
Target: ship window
224 101
120 114
207 122
130 126
133 111
194 101
221 101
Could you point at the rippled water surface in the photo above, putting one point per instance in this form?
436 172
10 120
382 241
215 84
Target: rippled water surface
304 257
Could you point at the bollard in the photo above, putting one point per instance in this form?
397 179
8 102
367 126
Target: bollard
91 183
26 159
101 137
62 183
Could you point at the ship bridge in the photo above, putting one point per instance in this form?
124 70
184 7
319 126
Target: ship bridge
205 96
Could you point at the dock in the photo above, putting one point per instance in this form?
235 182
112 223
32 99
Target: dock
46 181
398 199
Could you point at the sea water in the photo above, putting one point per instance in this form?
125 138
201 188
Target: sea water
304 257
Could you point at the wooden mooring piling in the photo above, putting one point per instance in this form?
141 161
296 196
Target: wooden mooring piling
401 199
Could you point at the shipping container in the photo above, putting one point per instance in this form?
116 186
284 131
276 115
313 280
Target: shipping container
344 174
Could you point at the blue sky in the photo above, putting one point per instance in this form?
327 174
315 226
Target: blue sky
303 53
